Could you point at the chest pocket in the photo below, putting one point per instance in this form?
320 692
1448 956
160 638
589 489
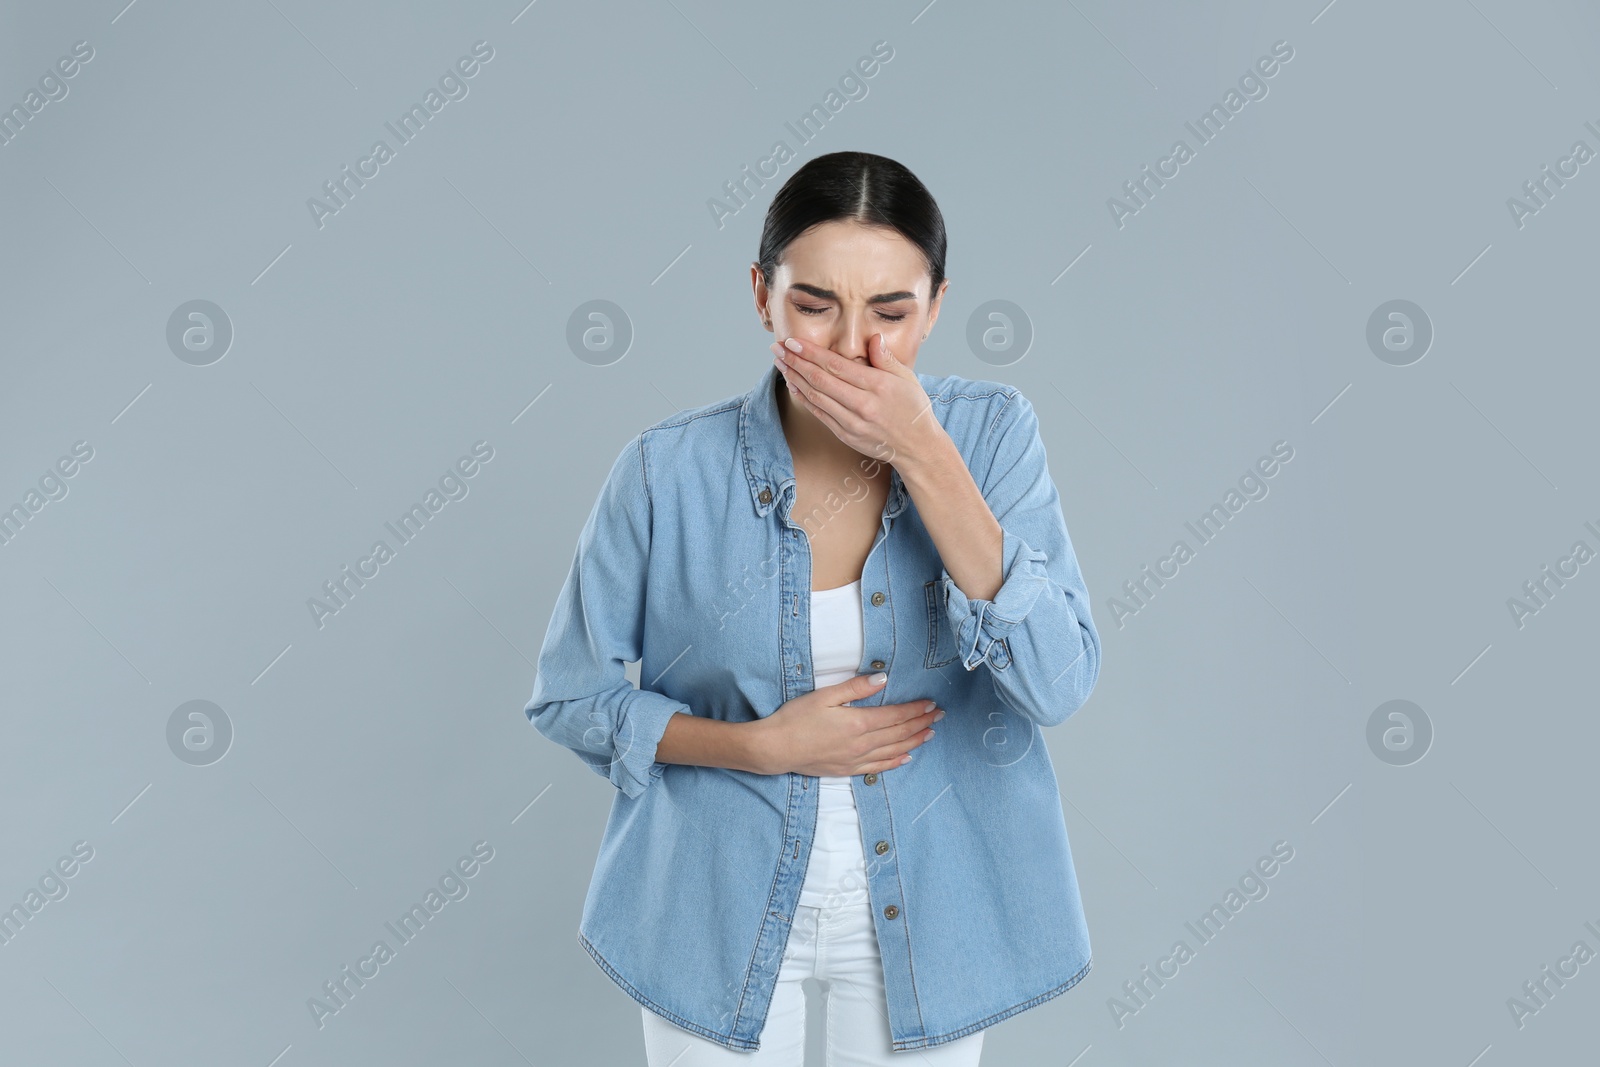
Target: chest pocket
941 642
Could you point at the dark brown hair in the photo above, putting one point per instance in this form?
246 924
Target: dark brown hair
861 186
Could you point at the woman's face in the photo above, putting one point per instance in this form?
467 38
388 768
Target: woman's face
840 282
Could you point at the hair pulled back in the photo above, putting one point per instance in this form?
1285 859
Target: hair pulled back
858 186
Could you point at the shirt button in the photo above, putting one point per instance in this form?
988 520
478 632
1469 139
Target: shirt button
877 600
870 779
881 847
766 496
890 912
877 664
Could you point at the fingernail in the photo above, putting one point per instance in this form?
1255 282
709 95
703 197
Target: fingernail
792 345
939 716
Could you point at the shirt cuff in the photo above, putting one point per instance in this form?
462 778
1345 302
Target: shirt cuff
981 626
633 765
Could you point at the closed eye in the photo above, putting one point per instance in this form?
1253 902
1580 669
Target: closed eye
806 309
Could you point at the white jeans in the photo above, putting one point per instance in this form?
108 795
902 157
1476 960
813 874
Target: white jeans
838 946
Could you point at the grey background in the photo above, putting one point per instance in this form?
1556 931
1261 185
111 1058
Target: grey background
432 312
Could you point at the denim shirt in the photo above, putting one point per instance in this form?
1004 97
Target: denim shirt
693 563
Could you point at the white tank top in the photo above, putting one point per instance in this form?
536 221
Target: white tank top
836 873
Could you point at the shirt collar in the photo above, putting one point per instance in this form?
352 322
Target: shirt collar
768 463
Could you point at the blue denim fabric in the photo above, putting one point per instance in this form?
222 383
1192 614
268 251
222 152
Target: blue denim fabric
693 563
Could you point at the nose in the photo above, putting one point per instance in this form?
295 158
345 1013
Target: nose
851 340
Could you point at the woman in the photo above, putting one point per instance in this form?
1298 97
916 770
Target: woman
810 575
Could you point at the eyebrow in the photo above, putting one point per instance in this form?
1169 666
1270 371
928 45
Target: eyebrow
828 294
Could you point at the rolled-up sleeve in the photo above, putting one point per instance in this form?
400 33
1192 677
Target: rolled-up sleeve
582 698
1036 637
